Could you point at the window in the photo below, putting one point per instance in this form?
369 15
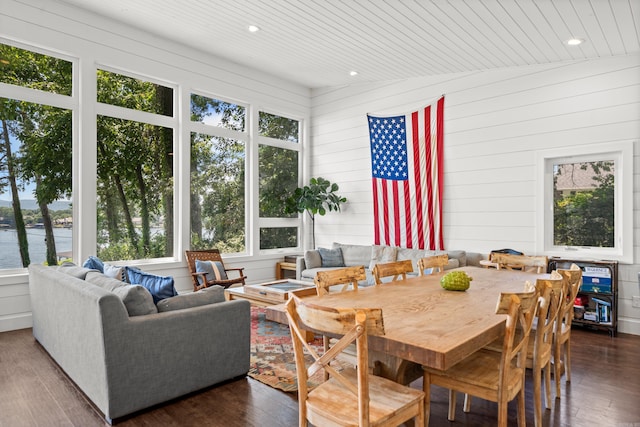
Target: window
135 169
587 202
35 158
278 165
218 175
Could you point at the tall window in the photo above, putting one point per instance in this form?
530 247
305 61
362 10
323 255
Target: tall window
278 164
135 168
588 201
35 158
218 145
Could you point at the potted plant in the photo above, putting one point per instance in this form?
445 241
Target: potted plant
316 198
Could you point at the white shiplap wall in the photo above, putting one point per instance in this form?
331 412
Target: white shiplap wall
95 41
495 121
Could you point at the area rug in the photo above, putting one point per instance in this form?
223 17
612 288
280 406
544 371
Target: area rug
272 360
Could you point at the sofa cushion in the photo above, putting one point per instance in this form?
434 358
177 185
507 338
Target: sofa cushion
461 256
161 287
381 254
214 270
331 257
312 259
210 295
137 299
94 263
75 271
354 255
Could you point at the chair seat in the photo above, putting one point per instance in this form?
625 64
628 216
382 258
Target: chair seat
331 403
480 369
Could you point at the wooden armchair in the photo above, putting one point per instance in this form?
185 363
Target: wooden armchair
396 270
435 262
350 397
220 272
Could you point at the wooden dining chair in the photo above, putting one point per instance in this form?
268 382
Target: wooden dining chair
215 272
435 262
348 277
537 264
491 375
350 397
397 270
562 334
540 344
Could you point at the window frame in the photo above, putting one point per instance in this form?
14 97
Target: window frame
621 152
267 222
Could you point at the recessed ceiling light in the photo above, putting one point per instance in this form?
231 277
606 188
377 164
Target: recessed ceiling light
253 28
574 42
353 73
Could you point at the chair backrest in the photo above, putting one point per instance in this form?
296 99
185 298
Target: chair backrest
435 262
200 255
353 324
395 270
573 279
552 293
520 309
349 276
537 264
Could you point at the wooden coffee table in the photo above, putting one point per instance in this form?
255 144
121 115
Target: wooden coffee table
271 293
273 296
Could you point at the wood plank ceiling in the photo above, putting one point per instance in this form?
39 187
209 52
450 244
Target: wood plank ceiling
317 43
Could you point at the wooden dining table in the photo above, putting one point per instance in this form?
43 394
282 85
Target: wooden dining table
426 325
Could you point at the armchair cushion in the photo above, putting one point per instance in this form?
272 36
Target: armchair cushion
204 296
214 270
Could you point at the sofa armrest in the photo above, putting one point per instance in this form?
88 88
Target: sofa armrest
300 266
154 358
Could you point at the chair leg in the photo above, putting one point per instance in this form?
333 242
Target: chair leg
547 385
426 388
522 416
502 413
567 359
557 366
452 405
537 398
467 403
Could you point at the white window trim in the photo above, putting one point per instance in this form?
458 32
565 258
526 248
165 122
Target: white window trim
622 153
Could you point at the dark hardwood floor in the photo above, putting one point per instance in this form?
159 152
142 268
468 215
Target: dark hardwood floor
605 391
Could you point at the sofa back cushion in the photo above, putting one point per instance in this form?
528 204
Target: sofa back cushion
381 254
312 259
75 271
354 255
210 295
137 299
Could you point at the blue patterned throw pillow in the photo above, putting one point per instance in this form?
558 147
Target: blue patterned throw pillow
161 287
94 263
214 270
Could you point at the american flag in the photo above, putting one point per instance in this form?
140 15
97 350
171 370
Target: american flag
407 177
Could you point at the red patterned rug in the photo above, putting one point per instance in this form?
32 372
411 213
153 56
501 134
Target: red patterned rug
272 360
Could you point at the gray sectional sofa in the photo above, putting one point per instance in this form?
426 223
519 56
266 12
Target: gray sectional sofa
368 255
127 355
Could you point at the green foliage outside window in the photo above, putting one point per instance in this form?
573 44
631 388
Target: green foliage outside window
584 212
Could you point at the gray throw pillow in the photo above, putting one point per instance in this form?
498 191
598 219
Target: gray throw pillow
312 259
205 296
137 299
331 257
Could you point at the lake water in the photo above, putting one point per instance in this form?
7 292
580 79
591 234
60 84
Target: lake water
10 252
